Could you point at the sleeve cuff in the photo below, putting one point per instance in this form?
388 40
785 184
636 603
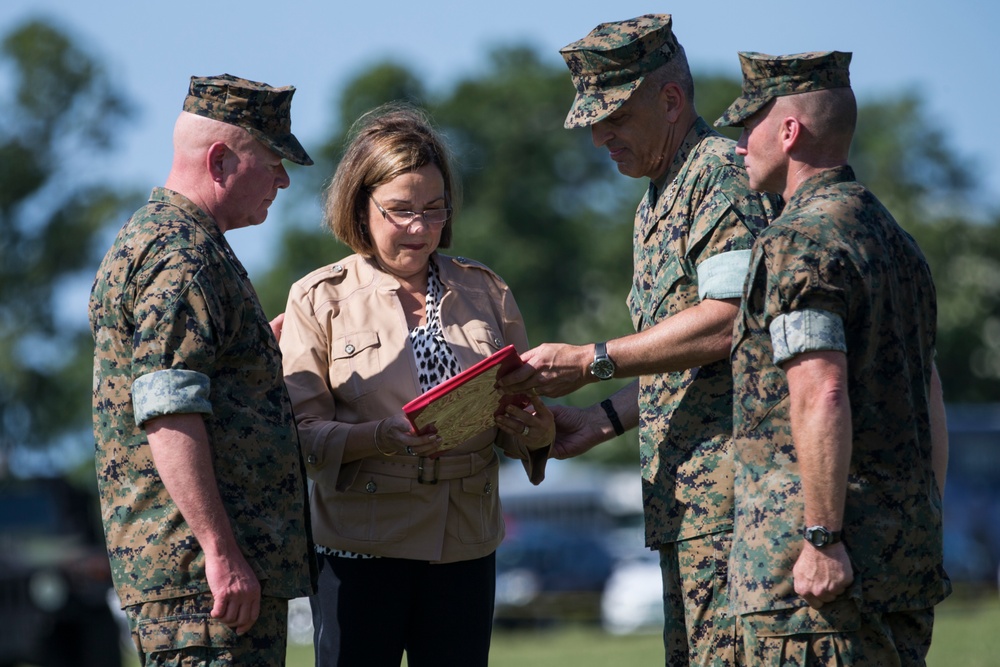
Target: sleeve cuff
809 330
722 276
170 392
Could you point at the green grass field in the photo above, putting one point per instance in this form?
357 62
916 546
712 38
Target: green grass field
966 634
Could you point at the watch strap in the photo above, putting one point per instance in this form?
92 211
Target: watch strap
616 423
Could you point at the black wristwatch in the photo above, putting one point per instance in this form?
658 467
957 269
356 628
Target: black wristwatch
820 537
602 367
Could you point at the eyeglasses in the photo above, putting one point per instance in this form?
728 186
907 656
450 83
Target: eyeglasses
434 217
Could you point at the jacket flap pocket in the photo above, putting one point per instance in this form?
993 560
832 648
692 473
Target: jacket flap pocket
352 344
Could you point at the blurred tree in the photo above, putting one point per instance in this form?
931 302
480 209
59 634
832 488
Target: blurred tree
60 108
904 157
307 243
551 214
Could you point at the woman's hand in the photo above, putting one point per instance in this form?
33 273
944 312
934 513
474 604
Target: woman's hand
394 435
535 428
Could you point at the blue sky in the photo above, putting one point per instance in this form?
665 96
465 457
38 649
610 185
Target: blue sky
937 50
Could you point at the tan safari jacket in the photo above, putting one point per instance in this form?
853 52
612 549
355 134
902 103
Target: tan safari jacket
347 360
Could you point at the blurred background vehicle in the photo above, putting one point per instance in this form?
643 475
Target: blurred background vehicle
972 495
565 538
57 604
633 596
547 573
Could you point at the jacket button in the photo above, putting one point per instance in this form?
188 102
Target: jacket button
497 342
488 489
311 459
337 268
349 349
371 487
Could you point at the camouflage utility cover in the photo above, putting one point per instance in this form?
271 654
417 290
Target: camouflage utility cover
837 249
170 296
263 111
612 60
685 428
766 77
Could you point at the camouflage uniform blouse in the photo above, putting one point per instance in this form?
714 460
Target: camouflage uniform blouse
178 329
691 242
837 256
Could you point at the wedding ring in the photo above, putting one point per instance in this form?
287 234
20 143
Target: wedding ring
524 431
409 450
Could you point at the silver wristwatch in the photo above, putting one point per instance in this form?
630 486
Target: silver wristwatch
602 367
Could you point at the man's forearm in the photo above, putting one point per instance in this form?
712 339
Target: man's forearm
820 415
180 449
693 337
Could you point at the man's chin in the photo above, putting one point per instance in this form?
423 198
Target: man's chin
627 170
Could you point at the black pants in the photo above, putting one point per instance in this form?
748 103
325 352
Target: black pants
368 611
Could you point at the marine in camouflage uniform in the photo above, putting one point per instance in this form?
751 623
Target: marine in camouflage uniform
178 331
834 278
692 238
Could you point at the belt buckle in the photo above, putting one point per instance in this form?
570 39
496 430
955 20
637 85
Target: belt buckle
434 471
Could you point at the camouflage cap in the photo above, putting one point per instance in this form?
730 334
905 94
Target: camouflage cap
263 111
612 60
766 77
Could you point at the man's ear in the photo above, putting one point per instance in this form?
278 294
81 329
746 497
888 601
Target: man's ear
216 161
673 100
790 133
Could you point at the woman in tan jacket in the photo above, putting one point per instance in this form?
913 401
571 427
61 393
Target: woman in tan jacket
405 541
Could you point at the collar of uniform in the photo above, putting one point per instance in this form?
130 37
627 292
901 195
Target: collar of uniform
208 224
819 180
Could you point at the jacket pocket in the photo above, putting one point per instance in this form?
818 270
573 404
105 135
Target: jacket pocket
487 339
653 296
354 363
375 508
478 507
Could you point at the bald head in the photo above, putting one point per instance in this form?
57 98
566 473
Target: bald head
194 135
224 171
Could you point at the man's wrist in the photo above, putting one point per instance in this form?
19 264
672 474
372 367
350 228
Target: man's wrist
612 414
821 536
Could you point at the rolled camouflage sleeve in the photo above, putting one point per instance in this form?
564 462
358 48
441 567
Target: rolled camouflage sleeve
722 276
808 330
170 392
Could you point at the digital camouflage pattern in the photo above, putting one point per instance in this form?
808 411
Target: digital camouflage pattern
843 636
612 60
806 330
181 632
170 296
837 249
695 575
685 426
263 111
766 77
685 417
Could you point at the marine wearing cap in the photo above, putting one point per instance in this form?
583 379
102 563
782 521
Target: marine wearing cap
263 111
766 77
612 60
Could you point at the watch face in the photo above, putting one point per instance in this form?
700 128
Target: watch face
603 369
817 536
